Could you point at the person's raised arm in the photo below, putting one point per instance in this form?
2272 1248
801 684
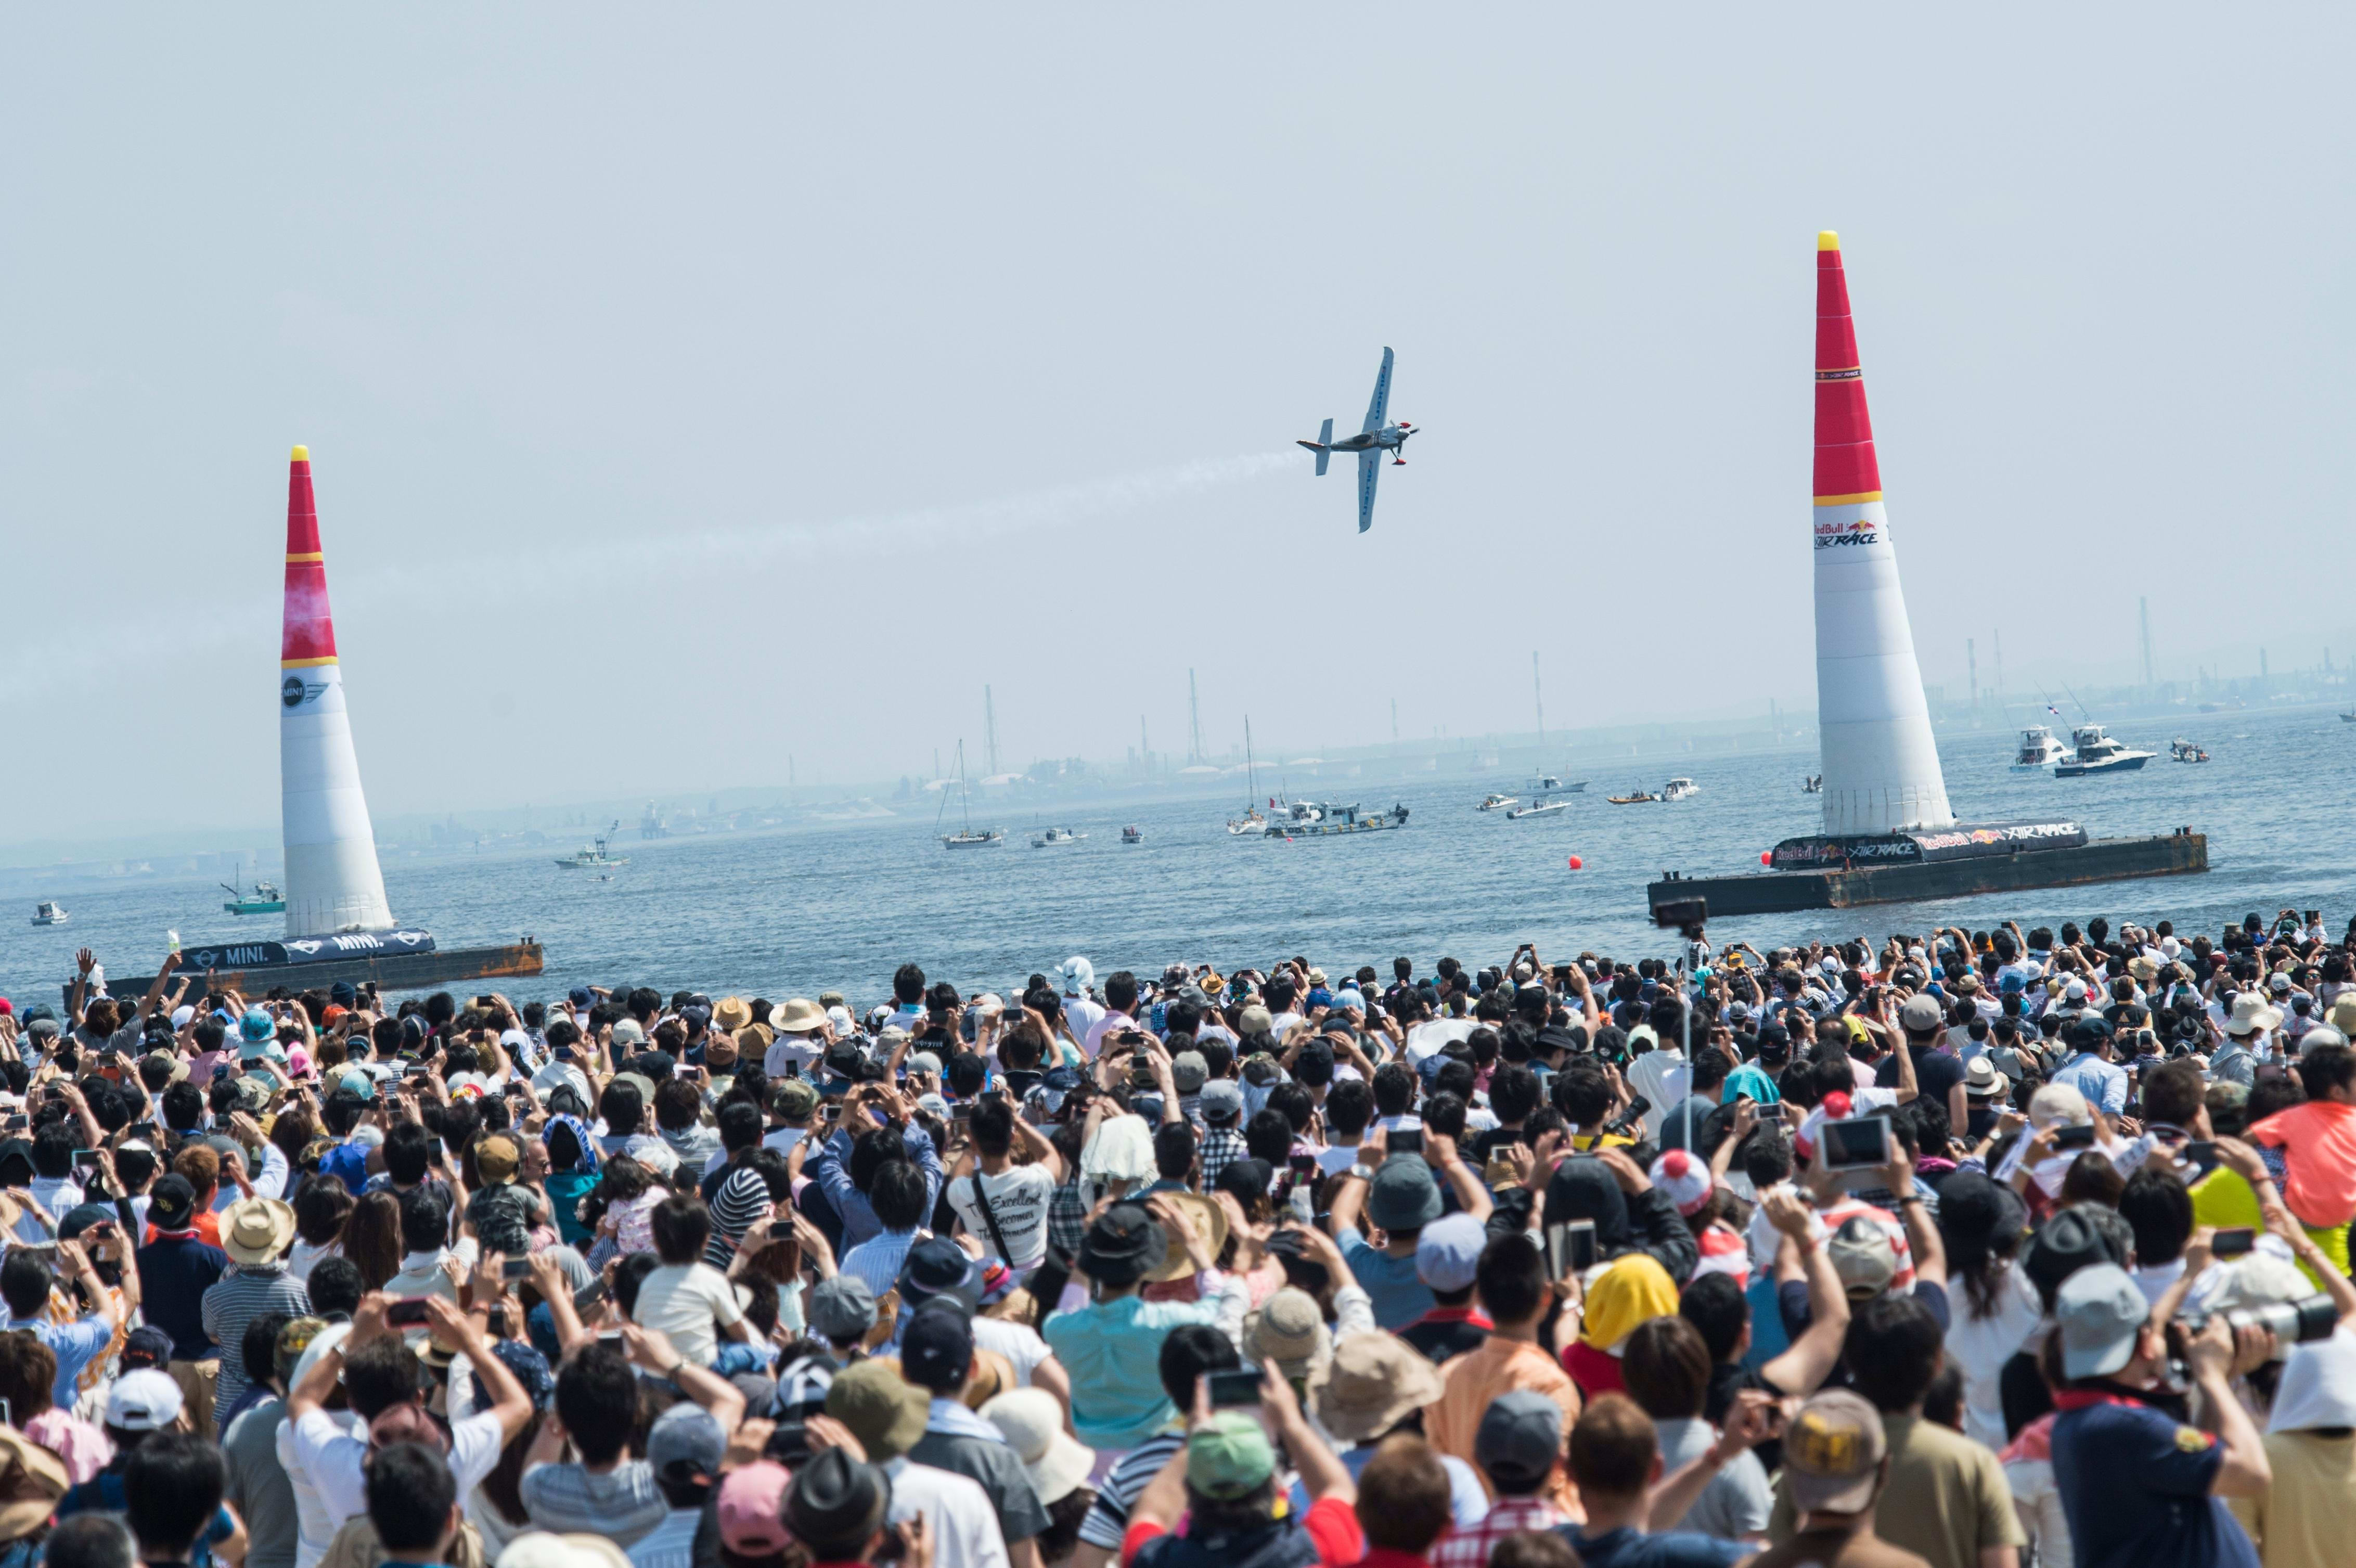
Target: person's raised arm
455 1330
1750 1420
1921 1236
1041 1149
2212 1355
651 1349
1802 1367
156 987
1471 1195
1350 1198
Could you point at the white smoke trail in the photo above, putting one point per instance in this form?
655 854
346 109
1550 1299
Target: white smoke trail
70 656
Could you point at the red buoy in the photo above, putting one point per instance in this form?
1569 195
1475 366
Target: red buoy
1576 863
1766 857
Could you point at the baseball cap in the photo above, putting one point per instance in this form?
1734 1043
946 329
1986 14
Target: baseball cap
937 1266
1833 1452
1188 1070
1222 1103
147 1345
1229 1457
937 1348
1920 1015
884 1411
1448 1254
752 1508
146 1400
842 1307
1518 1439
687 1436
1863 1256
793 1097
1403 1195
2100 1312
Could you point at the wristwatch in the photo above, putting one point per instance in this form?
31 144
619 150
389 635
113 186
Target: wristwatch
1363 1172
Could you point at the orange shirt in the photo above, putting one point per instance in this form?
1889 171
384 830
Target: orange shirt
1470 1380
2318 1144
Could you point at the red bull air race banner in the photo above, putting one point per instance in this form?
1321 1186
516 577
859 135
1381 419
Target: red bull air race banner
1961 842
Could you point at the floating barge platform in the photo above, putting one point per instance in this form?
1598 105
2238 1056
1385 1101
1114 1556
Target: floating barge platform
1836 873
257 968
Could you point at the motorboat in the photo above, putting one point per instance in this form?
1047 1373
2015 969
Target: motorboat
965 837
265 900
1495 802
592 856
1681 789
2093 752
1639 798
1536 808
1131 835
2182 750
1814 784
1053 836
1310 818
1547 784
2038 750
46 913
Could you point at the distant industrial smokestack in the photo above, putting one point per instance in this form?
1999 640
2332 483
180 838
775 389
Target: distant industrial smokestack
333 881
1882 767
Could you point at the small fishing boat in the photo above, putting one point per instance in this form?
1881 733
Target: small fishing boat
1131 835
46 913
2182 750
1549 784
265 900
1537 809
1638 798
1681 789
2096 752
2038 750
590 857
1053 836
1812 785
1495 802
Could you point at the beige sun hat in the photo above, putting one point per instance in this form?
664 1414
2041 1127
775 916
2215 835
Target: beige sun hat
255 1231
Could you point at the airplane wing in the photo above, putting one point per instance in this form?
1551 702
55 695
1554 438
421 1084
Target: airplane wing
1370 468
1379 408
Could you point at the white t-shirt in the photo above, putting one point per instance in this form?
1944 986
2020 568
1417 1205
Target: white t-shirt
1018 1199
1019 1345
690 1303
334 1459
965 1523
800 1050
1981 1346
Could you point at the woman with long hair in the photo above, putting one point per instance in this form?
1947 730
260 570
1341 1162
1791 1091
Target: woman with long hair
322 1204
1982 1222
371 1238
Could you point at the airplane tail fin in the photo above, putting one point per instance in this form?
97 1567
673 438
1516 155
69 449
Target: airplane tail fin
1324 442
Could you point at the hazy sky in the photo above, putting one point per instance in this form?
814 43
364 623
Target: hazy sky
695 387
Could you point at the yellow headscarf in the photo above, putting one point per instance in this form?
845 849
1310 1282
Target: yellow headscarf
1634 1289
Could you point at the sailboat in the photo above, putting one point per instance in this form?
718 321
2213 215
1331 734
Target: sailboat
965 838
1252 821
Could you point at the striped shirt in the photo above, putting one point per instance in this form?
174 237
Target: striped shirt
670 1544
877 1260
1107 1516
244 1293
741 1202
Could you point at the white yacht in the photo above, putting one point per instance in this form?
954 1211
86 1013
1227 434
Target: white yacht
1681 789
2094 752
46 913
1536 808
2038 750
1496 802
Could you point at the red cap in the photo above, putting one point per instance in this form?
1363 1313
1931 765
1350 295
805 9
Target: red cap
1845 469
308 635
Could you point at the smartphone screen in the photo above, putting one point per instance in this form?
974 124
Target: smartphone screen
406 1314
2079 1136
1571 1248
1404 1140
1859 1143
1235 1388
2233 1244
516 1268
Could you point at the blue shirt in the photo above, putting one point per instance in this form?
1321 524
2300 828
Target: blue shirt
1399 1297
877 1260
2104 1084
1112 1352
75 1345
1628 1547
2134 1487
830 1168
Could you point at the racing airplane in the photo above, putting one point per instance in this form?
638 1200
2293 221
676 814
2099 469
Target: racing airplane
1369 443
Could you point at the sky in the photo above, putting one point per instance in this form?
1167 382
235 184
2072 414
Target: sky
700 394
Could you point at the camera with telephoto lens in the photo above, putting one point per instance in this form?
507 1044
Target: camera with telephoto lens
2299 1322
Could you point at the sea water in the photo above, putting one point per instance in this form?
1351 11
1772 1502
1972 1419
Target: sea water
840 906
